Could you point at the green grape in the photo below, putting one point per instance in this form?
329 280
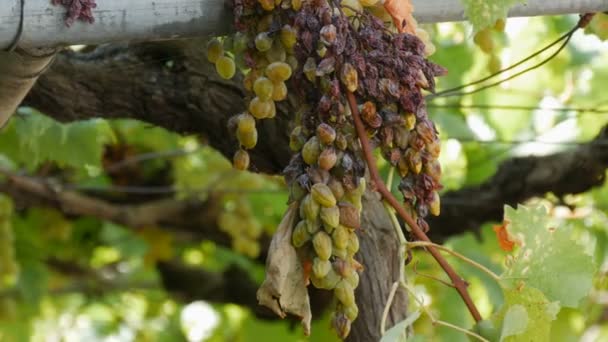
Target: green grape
330 216
241 160
215 50
263 88
353 244
322 245
322 194
279 91
345 293
300 235
261 109
288 37
340 237
435 205
296 139
293 62
309 209
225 67
311 151
268 5
321 268
278 71
351 312
245 123
263 42
240 42
296 4
247 139
276 53
483 39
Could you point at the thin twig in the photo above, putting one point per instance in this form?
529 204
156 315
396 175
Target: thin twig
387 307
459 283
469 261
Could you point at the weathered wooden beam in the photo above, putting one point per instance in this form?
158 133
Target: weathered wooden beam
132 20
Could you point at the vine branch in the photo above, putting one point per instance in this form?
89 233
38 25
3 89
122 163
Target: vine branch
459 283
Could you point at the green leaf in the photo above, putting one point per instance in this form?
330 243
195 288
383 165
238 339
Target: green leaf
548 259
525 316
398 333
484 13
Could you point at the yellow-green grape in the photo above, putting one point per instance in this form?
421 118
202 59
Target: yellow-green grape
288 36
321 268
351 7
494 64
245 123
328 282
349 77
263 42
345 293
296 4
340 253
336 188
262 87
500 25
353 243
278 71
215 50
435 205
351 312
330 216
328 158
225 67
322 194
241 160
279 91
309 209
483 39
321 242
321 50
276 53
310 69
268 5
293 62
311 151
353 279
410 121
312 226
296 139
340 236
247 139
261 109
300 235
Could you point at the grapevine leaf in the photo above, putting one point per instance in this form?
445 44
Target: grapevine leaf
526 315
284 290
398 333
547 259
484 13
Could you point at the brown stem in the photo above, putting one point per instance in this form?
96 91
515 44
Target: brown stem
459 284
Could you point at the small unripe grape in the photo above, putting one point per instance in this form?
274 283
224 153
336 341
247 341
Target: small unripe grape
245 123
241 160
328 282
349 77
351 7
240 42
278 71
300 235
435 204
288 36
321 268
309 209
262 87
279 91
327 159
351 312
215 50
340 237
268 5
311 151
276 53
345 293
326 133
322 194
353 279
321 242
225 67
312 226
310 69
263 42
330 216
293 62
247 139
296 139
336 188
261 109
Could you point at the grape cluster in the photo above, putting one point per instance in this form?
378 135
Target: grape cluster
319 50
238 221
9 268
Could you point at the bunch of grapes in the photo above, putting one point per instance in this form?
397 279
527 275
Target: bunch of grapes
320 50
238 221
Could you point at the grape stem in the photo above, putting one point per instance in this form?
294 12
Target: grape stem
457 281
